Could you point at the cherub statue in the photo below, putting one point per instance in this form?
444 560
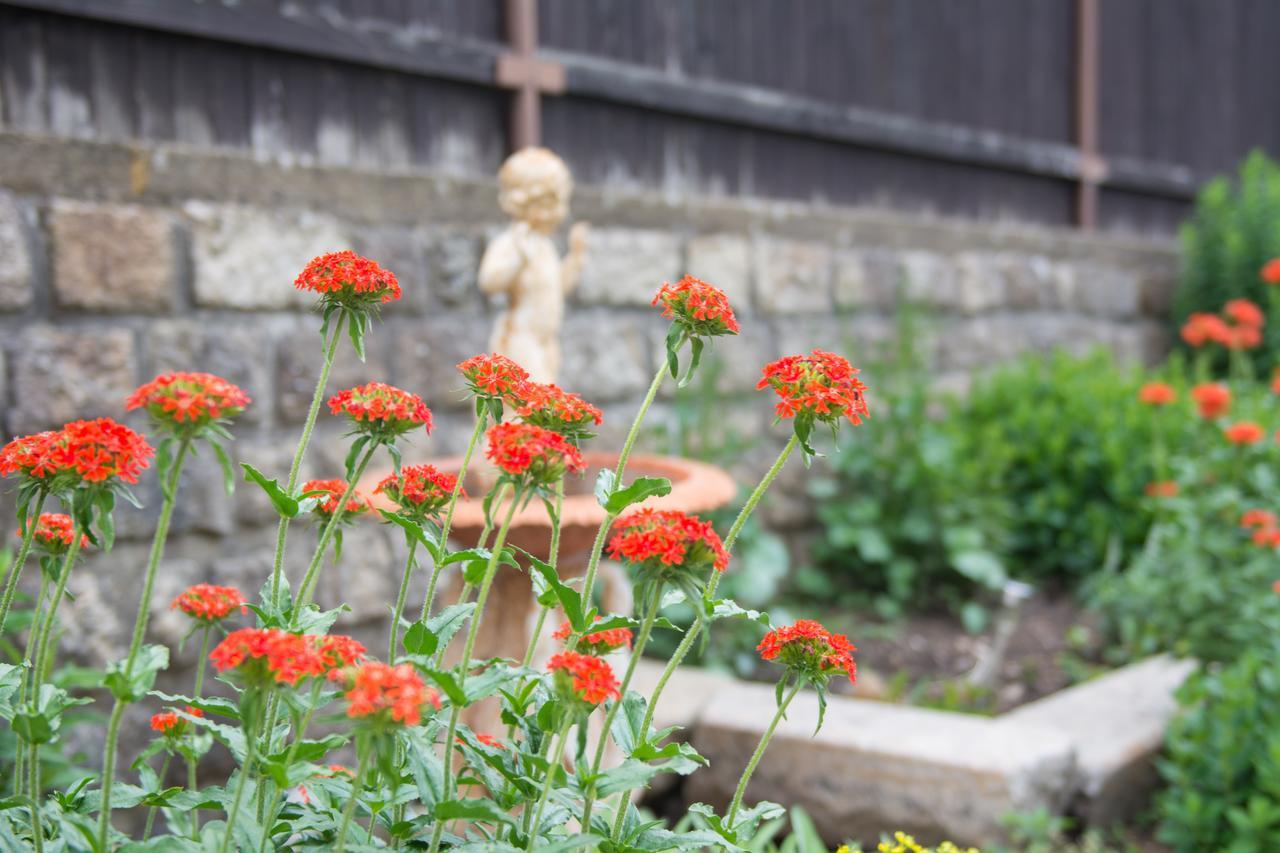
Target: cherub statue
534 188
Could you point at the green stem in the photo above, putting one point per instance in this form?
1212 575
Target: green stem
282 529
597 547
357 785
700 621
313 571
299 734
556 760
192 761
642 639
20 755
139 632
755 756
250 755
476 615
151 812
15 571
448 516
37 828
404 591
553 557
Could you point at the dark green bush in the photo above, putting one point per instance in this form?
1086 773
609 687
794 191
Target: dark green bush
1234 231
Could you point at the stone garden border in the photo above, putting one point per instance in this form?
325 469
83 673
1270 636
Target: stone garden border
877 766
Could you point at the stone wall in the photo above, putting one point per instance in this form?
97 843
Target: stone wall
119 262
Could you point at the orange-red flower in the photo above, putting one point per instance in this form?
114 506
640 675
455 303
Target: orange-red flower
1157 394
206 602
381 410
98 451
820 385
699 308
187 401
1271 271
35 457
419 490
599 642
1212 399
333 491
584 677
1275 381
388 694
169 724
54 533
1244 432
553 408
1258 518
1245 313
670 539
810 650
338 651
492 376
347 279
490 740
1162 489
269 654
1201 328
1243 337
536 455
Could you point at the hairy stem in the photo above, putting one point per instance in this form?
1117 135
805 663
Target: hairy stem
15 570
448 516
755 756
556 758
151 812
192 761
139 633
282 529
357 785
312 575
250 755
404 591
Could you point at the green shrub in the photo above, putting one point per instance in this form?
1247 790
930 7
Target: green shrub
1234 231
1222 764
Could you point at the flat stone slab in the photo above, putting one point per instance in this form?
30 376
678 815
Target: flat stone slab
876 766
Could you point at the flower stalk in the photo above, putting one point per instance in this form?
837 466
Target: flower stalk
429 599
15 570
760 748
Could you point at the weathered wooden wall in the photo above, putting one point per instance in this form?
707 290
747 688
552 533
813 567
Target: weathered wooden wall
962 108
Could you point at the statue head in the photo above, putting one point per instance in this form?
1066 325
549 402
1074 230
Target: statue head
534 187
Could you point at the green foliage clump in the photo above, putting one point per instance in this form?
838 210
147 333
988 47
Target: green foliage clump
1222 759
1234 231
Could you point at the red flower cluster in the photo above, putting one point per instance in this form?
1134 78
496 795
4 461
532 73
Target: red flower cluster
1157 394
551 407
1162 489
700 308
1265 527
270 654
493 376
82 451
420 490
170 724
1212 399
810 649
584 677
821 385
54 533
598 643
490 740
1245 432
537 455
670 538
1271 271
381 410
188 399
390 693
205 602
1246 333
333 492
346 279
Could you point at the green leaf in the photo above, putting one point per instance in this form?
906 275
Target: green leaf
133 685
420 640
605 481
569 598
981 567
285 505
449 621
355 331
228 470
473 809
414 531
726 608
446 681
641 489
208 704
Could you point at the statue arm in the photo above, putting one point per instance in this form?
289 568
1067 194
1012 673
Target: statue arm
500 265
571 268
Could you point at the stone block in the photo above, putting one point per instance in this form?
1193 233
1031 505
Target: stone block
427 352
238 352
875 765
725 261
1029 281
248 258
1117 722
403 251
63 374
117 258
300 356
626 266
1107 291
979 284
605 356
16 267
866 279
792 276
453 259
928 279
